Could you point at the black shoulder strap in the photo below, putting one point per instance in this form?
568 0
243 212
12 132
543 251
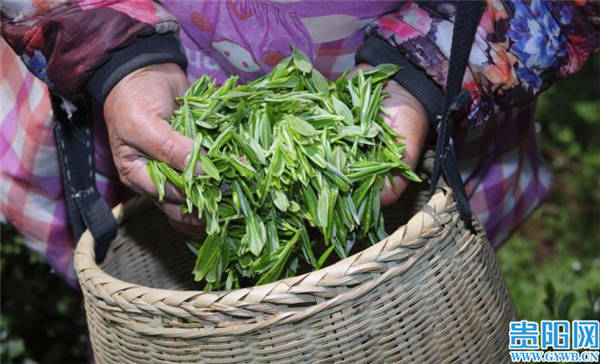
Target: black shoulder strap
85 205
467 18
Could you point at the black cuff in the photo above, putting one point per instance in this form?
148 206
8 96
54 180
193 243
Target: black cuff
145 51
376 51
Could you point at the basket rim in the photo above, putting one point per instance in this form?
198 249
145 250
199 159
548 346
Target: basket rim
313 287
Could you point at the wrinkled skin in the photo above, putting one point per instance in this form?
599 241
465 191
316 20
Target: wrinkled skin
136 112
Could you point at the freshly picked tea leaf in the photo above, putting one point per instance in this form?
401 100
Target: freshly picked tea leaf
292 166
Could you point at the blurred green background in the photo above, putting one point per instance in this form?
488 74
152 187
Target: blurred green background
552 264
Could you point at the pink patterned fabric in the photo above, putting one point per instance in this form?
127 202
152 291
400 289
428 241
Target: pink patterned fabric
520 48
30 190
503 171
31 193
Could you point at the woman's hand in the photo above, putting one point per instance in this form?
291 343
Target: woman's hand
135 111
406 115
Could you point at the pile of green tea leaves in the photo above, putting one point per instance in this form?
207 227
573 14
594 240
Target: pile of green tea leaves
302 161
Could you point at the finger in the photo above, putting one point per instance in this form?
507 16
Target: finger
186 223
406 115
360 66
161 142
136 177
173 211
191 230
390 194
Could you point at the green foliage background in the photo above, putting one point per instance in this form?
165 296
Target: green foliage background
554 258
552 264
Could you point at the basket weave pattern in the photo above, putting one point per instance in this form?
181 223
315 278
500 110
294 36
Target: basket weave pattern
430 292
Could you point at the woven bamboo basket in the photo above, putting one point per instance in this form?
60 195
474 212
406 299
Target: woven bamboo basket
431 292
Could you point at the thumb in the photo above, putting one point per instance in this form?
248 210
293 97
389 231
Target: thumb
161 142
390 194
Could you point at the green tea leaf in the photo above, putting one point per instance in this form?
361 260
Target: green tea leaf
339 157
351 131
209 168
245 170
277 164
289 156
310 200
281 259
251 153
307 249
342 110
175 178
367 168
294 207
159 179
221 140
324 257
257 234
272 233
320 82
266 132
208 254
280 200
190 130
301 126
239 199
323 208
301 61
190 168
384 70
315 156
337 177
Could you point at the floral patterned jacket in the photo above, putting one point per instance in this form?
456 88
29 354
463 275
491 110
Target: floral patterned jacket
519 50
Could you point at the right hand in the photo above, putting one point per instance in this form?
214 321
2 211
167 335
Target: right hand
136 112
405 114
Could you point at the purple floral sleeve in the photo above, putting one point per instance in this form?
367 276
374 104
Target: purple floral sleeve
520 47
63 42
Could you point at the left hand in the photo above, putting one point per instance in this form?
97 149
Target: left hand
407 116
136 112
